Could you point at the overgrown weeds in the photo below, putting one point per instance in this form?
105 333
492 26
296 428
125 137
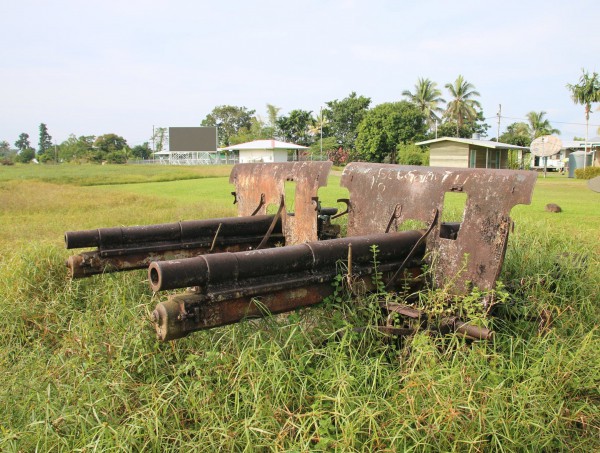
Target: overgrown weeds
81 369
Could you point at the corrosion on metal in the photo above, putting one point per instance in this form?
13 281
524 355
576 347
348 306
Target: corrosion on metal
257 185
226 283
418 319
127 248
263 184
474 256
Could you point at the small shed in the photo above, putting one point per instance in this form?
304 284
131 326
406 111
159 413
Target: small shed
264 151
470 152
592 145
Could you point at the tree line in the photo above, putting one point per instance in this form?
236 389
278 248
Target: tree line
86 148
350 129
344 130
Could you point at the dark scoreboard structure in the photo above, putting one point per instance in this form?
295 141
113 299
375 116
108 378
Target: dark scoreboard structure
183 139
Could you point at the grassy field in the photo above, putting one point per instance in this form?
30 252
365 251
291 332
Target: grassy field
81 370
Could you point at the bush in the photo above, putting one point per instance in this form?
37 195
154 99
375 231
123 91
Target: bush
25 156
587 172
116 157
412 155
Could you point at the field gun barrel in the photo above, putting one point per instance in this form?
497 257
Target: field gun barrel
127 248
284 279
184 231
235 268
259 187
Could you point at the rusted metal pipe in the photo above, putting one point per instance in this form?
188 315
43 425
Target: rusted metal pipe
226 285
275 262
127 248
185 231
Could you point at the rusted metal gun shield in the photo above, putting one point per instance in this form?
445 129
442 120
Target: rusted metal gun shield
253 180
376 190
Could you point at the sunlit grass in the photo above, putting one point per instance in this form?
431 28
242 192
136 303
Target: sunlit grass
94 175
81 370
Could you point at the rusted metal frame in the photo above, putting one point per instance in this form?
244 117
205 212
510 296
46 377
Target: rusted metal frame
447 325
91 263
184 313
414 249
475 257
269 179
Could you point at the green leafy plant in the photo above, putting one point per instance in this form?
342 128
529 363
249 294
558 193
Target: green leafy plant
587 172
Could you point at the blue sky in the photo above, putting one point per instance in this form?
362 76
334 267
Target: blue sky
96 67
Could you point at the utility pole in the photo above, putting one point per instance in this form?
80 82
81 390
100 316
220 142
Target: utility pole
499 116
321 121
153 145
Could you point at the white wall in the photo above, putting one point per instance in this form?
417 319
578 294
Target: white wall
262 155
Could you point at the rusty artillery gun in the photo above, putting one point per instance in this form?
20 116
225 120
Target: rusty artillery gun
257 187
227 287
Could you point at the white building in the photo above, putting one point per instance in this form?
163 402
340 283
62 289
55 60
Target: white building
264 151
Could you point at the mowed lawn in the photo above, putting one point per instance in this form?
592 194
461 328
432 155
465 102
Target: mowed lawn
82 371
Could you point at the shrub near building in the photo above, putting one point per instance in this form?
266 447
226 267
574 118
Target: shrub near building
587 173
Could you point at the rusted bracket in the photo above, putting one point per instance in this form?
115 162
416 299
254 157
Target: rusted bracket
394 278
260 205
269 179
272 226
214 241
347 202
475 256
395 216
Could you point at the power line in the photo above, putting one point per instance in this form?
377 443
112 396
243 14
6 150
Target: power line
551 121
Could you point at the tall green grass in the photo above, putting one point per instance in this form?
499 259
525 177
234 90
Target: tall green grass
81 370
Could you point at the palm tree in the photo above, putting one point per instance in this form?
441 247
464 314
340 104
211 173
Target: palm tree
319 123
462 106
584 93
272 114
538 125
427 97
316 128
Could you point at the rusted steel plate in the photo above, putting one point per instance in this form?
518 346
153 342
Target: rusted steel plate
475 257
267 180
